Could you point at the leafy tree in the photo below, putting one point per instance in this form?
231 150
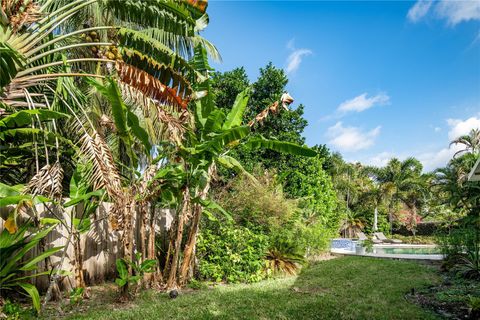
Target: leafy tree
301 177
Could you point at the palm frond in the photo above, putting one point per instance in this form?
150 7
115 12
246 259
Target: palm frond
46 182
150 86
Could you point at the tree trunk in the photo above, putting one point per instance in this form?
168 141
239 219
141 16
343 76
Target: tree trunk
78 263
190 246
172 274
142 223
155 277
129 209
189 251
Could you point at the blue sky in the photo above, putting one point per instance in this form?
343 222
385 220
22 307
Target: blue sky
378 79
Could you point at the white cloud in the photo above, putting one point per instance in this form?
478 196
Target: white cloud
379 160
361 102
432 159
457 127
295 58
452 11
437 159
419 10
349 139
461 127
458 11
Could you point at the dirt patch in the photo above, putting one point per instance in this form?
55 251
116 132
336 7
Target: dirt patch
105 295
322 257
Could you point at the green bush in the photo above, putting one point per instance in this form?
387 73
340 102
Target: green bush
14 263
461 247
261 203
232 254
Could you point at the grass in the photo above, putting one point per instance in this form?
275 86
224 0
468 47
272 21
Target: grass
342 288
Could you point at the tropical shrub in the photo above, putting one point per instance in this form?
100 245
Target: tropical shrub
14 263
461 247
139 268
231 253
284 256
260 203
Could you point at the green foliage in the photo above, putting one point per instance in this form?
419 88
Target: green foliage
11 310
368 245
285 255
13 262
197 285
260 203
139 269
231 253
76 295
10 62
461 247
474 305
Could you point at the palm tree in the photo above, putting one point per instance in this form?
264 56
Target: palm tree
471 142
144 83
352 223
377 195
403 179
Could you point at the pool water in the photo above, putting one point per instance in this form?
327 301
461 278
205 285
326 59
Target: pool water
407 250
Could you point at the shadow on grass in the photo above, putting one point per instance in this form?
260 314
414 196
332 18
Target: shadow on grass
343 288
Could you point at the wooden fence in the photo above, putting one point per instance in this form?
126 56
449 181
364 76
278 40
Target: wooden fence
100 245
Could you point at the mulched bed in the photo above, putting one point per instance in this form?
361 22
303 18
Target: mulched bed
449 299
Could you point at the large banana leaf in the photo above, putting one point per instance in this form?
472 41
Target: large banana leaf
125 121
26 117
213 122
232 163
166 15
217 142
235 116
280 146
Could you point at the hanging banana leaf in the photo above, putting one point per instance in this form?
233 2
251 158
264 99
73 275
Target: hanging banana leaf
280 146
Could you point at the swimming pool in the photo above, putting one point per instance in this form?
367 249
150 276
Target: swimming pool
406 250
395 251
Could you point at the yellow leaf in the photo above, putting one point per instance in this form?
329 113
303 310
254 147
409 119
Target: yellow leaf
11 225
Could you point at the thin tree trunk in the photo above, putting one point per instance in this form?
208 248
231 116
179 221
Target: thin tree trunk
172 275
78 263
191 242
189 250
155 277
129 208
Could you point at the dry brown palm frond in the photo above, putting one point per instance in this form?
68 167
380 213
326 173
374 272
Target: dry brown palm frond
47 182
151 86
103 172
166 122
147 177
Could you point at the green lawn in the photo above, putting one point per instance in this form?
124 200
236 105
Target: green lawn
343 288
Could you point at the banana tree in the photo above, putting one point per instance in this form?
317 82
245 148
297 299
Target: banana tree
215 134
